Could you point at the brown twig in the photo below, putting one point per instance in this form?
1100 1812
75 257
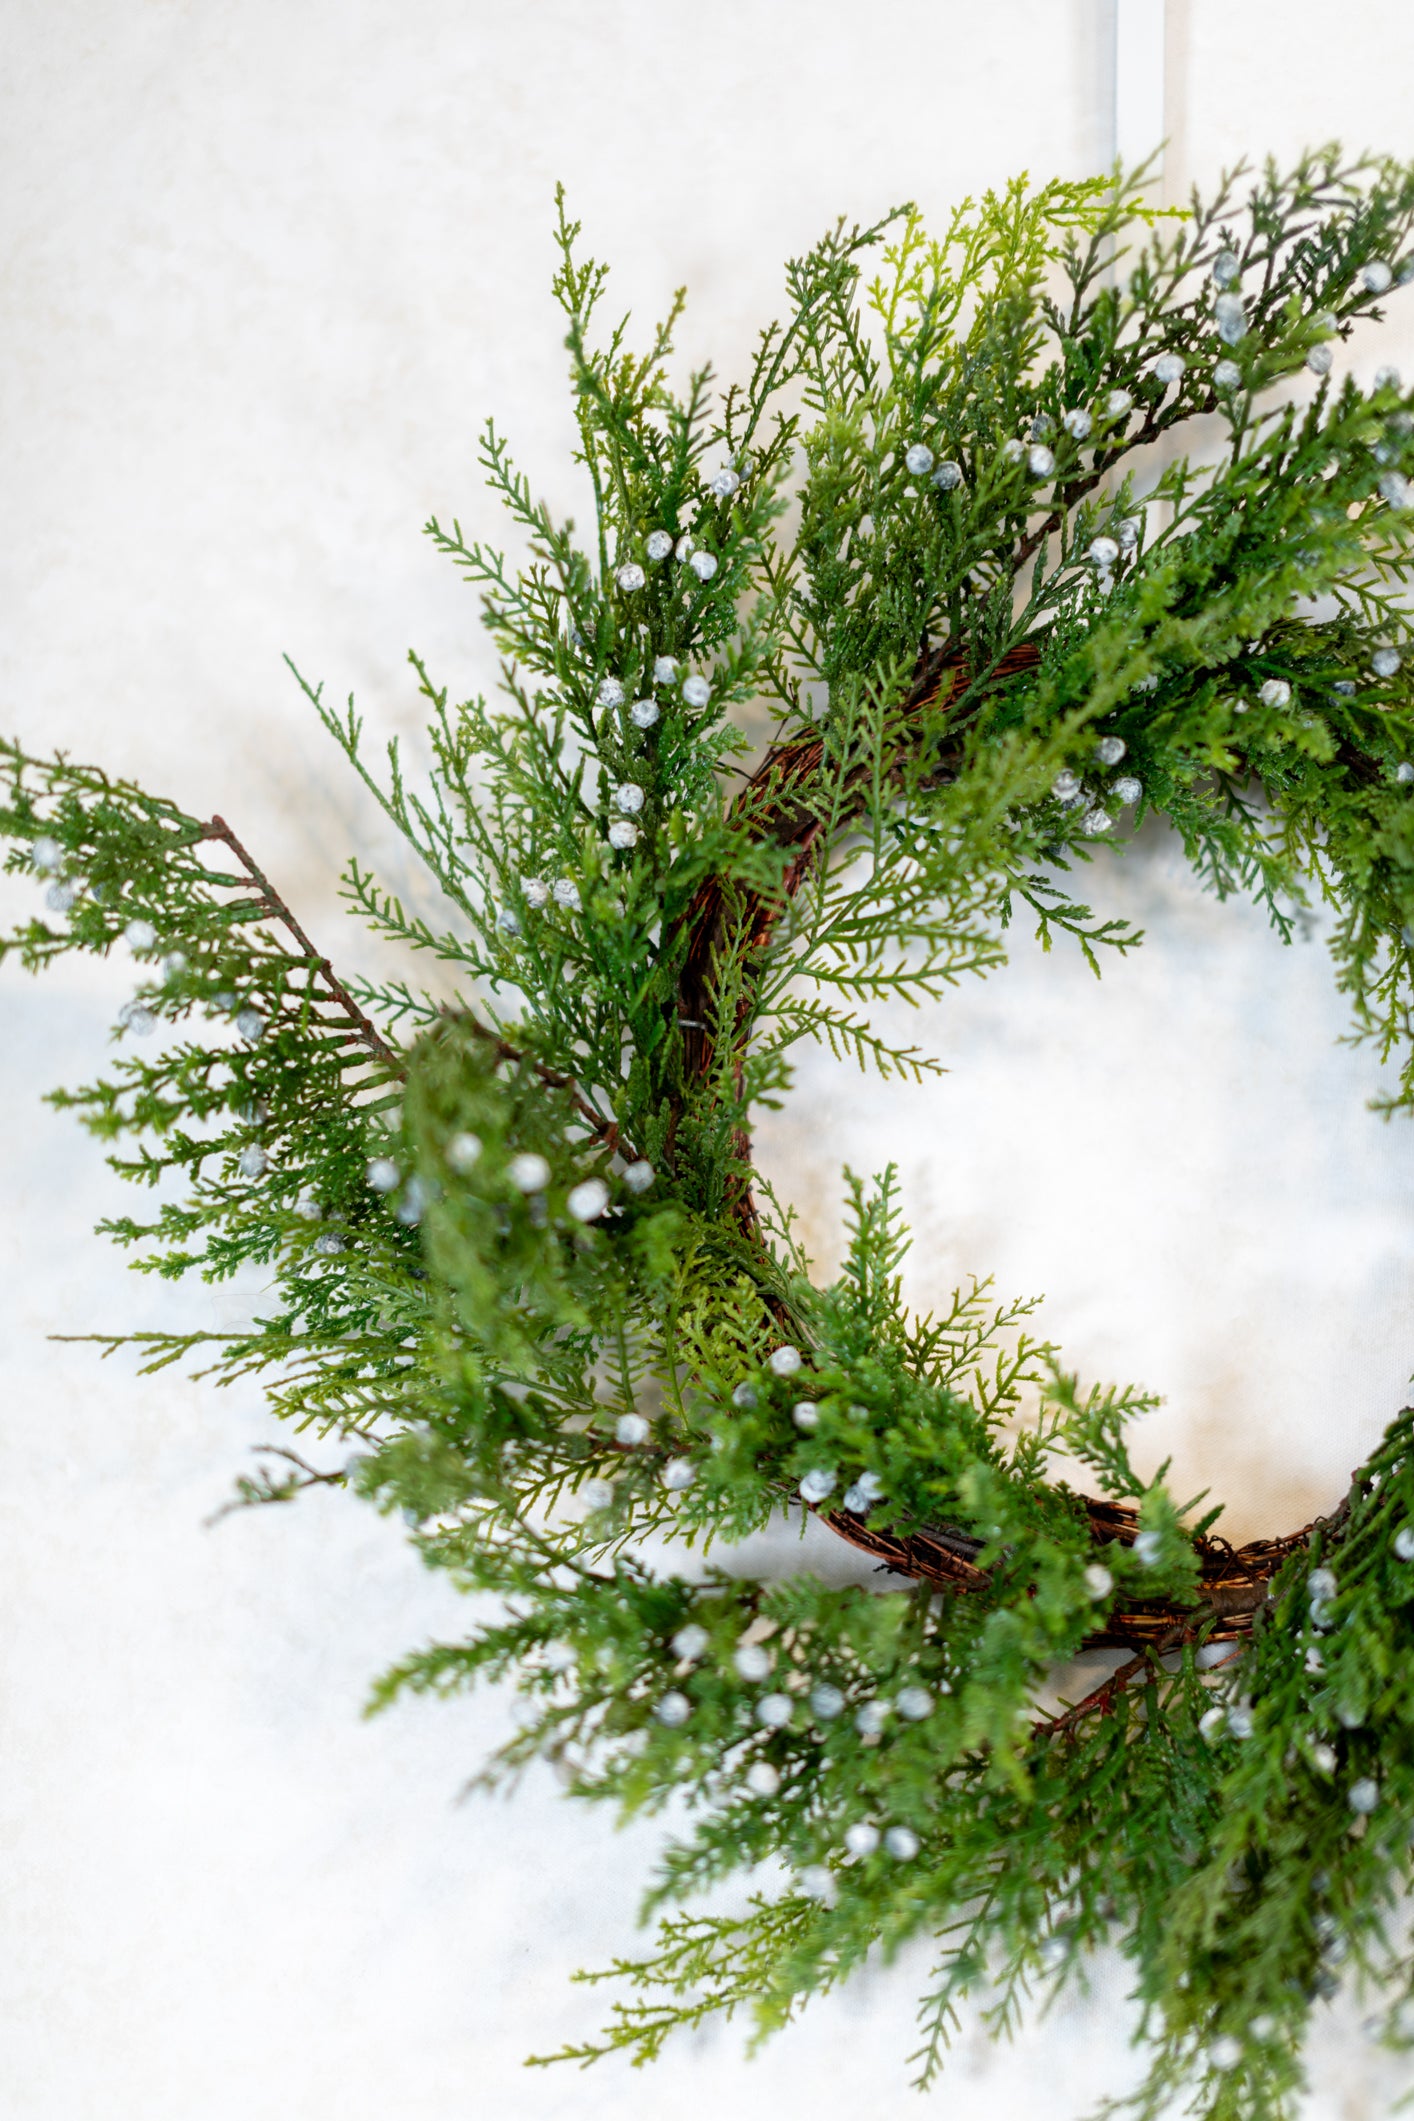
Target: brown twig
1099 1702
275 906
312 1478
606 1130
272 903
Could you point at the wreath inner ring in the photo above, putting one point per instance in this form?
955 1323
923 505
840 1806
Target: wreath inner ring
1233 1581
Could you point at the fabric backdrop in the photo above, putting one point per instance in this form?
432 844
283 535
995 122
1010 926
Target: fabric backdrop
268 266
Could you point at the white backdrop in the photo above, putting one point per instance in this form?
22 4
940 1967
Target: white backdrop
268 266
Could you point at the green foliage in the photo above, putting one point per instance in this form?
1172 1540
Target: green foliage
513 1249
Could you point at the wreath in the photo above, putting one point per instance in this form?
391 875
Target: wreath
862 659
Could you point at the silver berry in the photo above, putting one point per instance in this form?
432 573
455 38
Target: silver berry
919 460
665 670
251 1024
1169 368
535 891
588 1200
46 854
623 835
1226 267
383 1174
690 1641
948 476
630 577
463 1151
630 1430
1375 277
805 1414
1077 423
1117 404
639 1176
528 1173
611 693
565 892
902 1843
1226 375
783 1362
644 713
628 798
1040 461
140 935
1319 360
696 691
1385 661
659 544
1110 750
1230 317
752 1661
1275 693
817 1484
1126 789
252 1162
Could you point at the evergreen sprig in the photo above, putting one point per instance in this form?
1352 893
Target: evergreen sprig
518 1254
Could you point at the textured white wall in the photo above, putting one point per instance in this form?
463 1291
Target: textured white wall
267 268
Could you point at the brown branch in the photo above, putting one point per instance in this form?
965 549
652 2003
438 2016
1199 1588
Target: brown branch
1109 1690
275 906
271 903
606 1130
1233 1582
312 1478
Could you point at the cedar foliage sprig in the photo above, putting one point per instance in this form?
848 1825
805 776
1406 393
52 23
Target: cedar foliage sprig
517 1253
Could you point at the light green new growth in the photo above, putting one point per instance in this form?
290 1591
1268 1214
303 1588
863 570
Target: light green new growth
514 1252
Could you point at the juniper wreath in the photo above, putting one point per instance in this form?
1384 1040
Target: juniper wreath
518 1253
